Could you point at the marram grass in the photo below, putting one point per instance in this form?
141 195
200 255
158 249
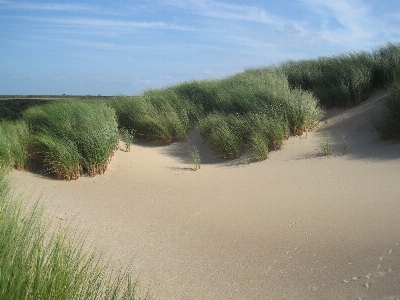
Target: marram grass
388 126
345 80
35 264
70 137
290 96
13 144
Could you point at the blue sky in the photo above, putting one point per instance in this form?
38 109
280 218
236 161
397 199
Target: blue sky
126 47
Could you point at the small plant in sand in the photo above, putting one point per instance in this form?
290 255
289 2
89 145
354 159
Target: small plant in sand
126 136
246 158
195 157
325 145
344 143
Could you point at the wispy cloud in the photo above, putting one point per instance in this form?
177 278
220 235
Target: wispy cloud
107 24
354 17
217 9
43 6
102 45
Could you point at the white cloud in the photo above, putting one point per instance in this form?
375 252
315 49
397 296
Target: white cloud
43 6
355 19
107 24
217 9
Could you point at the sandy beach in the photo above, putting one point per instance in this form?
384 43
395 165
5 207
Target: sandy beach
298 225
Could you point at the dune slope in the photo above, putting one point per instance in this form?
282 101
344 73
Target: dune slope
296 226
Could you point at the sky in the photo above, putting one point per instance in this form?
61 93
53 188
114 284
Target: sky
127 47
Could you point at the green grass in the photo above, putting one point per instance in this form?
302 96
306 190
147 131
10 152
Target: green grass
257 110
13 144
389 125
345 144
286 99
387 66
73 136
195 157
156 115
217 131
223 111
345 80
35 264
126 136
325 145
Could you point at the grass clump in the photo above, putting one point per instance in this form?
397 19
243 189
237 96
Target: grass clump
156 115
343 81
389 125
13 144
70 137
387 65
231 135
232 114
38 265
217 131
256 110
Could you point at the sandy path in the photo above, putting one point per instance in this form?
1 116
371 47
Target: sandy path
297 226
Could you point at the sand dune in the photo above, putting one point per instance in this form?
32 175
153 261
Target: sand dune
296 226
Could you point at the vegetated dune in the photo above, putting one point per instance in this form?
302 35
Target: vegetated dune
299 225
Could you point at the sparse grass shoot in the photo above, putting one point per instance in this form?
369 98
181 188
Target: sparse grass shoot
345 145
195 157
127 137
325 145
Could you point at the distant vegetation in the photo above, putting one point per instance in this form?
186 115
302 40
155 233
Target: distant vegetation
250 112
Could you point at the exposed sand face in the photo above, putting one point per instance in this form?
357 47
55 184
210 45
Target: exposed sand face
296 226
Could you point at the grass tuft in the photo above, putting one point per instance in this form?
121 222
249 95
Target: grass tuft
345 145
70 137
325 145
126 136
389 125
37 265
13 144
195 157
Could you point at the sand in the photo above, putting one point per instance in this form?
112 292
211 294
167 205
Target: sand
296 226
